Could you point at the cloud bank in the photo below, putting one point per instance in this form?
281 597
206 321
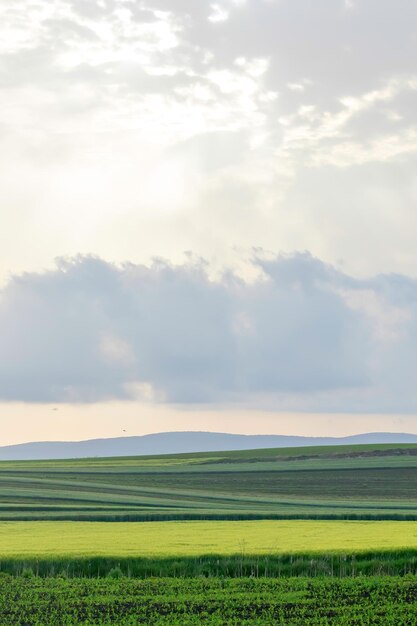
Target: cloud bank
301 336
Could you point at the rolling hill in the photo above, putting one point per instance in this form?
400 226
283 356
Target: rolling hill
182 442
321 482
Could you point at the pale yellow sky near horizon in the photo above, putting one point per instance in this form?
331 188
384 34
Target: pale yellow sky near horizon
66 422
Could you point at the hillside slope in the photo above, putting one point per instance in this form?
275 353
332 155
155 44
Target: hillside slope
356 482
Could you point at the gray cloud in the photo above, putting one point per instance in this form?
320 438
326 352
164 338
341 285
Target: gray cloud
303 335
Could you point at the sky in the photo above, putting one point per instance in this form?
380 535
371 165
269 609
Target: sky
208 217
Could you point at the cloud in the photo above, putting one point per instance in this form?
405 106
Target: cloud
235 103
302 335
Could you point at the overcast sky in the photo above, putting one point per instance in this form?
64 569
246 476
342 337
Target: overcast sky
208 215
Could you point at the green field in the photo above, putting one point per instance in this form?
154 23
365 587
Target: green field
194 538
347 482
227 548
212 601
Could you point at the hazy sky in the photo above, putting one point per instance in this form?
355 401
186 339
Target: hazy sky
208 216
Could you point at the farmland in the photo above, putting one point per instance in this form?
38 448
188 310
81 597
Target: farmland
261 548
287 536
343 482
196 538
211 601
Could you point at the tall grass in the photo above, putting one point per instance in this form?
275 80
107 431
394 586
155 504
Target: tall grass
337 565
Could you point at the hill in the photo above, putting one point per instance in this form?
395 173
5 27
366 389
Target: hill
182 442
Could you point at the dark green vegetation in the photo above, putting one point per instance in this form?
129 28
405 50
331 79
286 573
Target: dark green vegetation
363 482
334 565
213 601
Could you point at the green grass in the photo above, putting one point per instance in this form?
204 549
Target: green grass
334 565
347 482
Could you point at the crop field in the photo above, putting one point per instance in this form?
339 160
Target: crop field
227 548
346 482
194 538
216 602
297 536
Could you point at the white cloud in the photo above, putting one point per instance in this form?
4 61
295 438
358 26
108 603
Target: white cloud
218 14
118 117
296 86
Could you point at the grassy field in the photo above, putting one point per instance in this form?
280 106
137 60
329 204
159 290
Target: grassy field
194 538
213 601
210 548
350 482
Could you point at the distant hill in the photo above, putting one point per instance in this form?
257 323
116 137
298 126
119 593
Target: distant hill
179 442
